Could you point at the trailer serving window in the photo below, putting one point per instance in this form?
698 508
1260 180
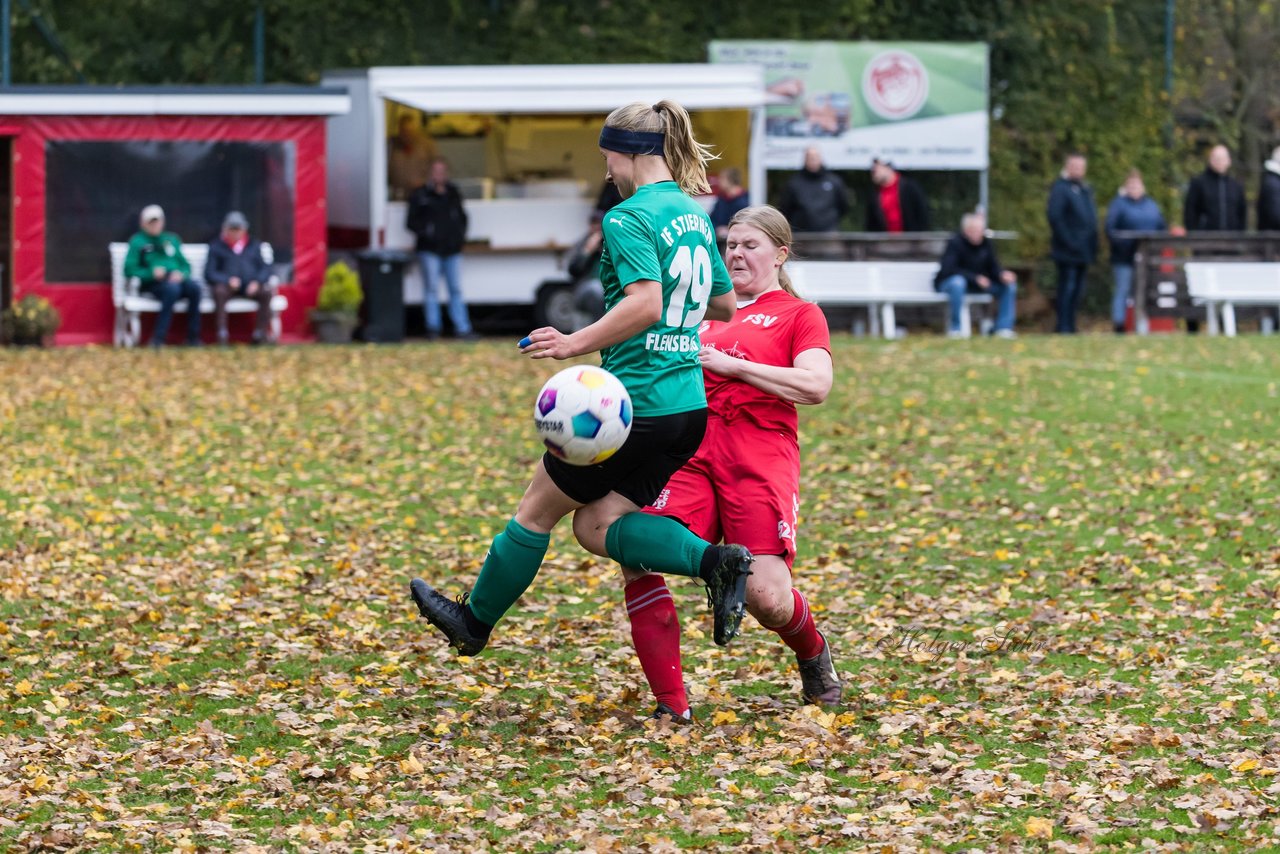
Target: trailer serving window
539 155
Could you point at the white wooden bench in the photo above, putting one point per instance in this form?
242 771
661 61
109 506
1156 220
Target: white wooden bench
130 302
1223 285
879 286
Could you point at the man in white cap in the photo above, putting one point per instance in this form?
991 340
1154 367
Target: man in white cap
236 268
155 259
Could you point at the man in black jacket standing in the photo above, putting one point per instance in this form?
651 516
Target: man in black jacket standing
970 265
236 268
1215 200
437 217
898 204
1073 222
814 199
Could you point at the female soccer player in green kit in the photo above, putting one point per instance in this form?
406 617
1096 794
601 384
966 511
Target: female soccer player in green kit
662 275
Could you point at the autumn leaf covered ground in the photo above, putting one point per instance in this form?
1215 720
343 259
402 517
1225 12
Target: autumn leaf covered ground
1050 570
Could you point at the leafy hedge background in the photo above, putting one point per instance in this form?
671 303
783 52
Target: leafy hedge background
1073 74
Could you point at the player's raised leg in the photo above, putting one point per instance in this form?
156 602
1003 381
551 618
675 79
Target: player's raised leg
509 568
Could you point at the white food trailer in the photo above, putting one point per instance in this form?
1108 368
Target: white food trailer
521 144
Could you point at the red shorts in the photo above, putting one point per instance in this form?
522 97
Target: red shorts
743 486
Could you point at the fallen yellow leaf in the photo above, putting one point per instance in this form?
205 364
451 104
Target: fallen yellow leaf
1039 828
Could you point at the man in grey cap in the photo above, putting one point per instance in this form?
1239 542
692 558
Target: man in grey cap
155 259
236 268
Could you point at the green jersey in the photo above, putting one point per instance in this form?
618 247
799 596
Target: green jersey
662 235
147 252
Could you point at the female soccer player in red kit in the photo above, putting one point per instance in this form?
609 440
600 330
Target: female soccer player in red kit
743 485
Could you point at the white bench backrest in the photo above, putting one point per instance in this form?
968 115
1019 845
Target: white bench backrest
1233 280
197 255
903 278
832 280
837 281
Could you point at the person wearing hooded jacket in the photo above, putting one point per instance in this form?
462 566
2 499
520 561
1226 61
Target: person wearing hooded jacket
1131 210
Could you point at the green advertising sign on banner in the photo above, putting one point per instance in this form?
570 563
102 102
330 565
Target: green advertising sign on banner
922 105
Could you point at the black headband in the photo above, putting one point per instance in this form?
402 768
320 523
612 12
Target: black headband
631 141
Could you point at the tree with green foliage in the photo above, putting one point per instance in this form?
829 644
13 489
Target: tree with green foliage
1081 75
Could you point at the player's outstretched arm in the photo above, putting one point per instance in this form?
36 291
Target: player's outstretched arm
808 381
634 313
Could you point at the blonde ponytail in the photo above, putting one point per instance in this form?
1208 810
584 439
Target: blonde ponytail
684 155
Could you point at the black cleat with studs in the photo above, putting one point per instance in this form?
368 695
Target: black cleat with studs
446 615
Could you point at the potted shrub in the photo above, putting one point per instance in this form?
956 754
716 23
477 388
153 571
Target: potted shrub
336 313
30 322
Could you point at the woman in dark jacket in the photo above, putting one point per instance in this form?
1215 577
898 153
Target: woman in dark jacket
1131 210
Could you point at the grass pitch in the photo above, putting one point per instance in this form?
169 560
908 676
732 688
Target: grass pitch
1049 569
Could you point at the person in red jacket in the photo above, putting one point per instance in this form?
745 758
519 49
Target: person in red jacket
898 204
743 485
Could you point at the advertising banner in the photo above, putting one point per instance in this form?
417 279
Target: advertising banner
920 105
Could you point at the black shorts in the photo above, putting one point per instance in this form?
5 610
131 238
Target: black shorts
656 449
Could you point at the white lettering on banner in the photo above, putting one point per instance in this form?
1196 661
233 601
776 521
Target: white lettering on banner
765 320
670 343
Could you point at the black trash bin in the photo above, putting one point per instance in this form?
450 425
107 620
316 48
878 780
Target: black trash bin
382 278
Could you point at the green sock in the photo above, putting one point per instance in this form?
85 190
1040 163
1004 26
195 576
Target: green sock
510 567
655 544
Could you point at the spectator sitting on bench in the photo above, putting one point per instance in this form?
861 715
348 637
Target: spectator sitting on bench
236 268
155 259
969 264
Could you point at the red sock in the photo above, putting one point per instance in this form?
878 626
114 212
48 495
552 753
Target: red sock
655 631
800 633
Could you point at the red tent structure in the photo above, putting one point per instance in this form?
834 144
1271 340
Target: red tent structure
86 160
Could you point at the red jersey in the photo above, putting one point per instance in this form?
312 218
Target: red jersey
773 330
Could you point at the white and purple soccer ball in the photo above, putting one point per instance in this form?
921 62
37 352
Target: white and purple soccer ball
583 415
